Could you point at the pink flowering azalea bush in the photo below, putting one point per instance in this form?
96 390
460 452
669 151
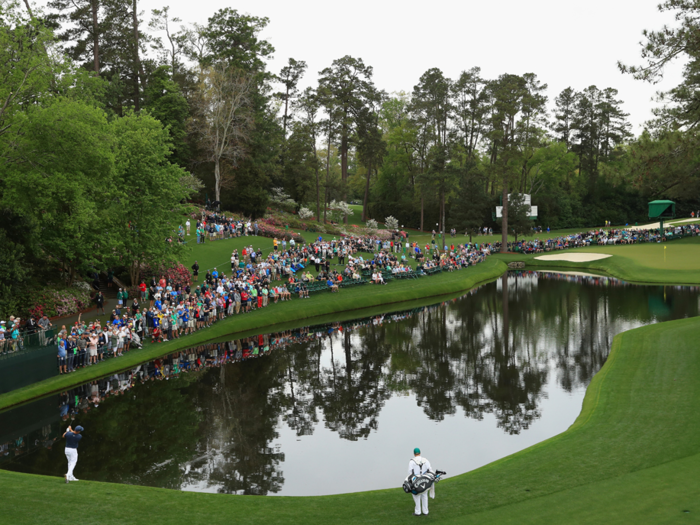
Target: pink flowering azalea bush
266 230
60 302
384 235
272 220
176 273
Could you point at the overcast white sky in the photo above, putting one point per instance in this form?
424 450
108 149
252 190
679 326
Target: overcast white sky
565 43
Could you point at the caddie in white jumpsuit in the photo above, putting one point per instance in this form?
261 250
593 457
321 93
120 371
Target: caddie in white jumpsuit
73 437
419 466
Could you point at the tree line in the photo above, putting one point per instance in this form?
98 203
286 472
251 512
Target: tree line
98 96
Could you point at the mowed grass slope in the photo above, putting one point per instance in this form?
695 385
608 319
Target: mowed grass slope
632 456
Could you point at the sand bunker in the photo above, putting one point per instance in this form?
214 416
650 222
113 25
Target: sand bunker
574 257
576 274
656 225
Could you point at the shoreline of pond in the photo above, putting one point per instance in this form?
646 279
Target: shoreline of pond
351 302
470 329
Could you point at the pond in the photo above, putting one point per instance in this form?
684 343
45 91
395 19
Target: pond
339 408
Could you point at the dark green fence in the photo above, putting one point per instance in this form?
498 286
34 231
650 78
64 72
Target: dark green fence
27 342
28 359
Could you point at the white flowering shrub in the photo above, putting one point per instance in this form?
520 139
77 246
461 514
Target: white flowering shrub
391 223
305 213
339 209
372 224
82 285
282 199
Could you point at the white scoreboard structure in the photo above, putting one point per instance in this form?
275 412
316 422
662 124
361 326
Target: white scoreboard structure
528 200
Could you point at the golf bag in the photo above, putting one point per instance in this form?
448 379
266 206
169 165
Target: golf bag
418 484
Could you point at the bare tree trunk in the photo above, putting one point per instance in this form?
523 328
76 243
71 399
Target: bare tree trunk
504 221
29 9
95 38
421 213
286 113
328 173
217 179
443 228
344 163
318 186
134 271
284 127
364 202
172 47
137 62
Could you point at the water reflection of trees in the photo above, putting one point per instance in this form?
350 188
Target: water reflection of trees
490 353
240 409
351 391
468 355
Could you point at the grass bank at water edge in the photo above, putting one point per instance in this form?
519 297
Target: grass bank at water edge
349 302
632 456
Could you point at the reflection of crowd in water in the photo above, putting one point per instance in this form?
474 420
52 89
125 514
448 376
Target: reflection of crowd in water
43 437
80 400
72 404
216 354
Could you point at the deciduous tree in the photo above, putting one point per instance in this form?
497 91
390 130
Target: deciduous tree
147 206
222 117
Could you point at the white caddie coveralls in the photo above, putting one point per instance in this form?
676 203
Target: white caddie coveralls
419 466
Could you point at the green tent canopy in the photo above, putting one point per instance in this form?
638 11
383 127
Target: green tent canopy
662 210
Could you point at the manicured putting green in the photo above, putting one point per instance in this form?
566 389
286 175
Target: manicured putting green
642 263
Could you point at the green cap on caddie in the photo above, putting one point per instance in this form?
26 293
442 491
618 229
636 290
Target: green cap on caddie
416 450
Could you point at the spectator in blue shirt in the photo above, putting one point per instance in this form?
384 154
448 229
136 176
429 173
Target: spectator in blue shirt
62 356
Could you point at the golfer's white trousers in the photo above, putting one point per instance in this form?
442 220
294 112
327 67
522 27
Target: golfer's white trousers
417 498
72 455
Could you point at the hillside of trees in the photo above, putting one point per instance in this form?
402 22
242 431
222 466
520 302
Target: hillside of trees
111 118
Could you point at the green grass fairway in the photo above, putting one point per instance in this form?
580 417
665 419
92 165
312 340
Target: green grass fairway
632 456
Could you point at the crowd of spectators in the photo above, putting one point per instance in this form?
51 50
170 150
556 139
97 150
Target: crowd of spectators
598 237
215 226
165 310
